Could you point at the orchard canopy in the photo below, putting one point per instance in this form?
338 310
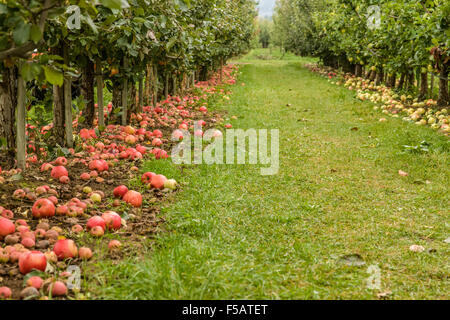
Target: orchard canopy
405 40
54 53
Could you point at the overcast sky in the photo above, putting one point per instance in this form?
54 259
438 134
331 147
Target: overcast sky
266 7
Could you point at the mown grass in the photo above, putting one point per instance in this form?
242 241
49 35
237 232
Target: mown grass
234 234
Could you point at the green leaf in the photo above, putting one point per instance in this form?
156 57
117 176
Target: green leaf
22 33
35 34
27 72
112 4
53 76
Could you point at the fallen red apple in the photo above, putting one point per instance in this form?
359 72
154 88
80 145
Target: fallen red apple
6 227
85 253
134 198
35 282
85 176
32 260
61 161
43 208
65 249
97 231
120 191
64 179
62 210
158 181
147 177
112 219
28 242
114 245
58 289
5 293
58 172
77 228
96 221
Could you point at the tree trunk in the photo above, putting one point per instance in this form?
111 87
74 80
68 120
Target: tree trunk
68 101
391 80
174 86
155 85
132 100
379 77
166 86
87 90
148 84
402 81
140 106
125 95
411 83
443 99
117 102
423 86
431 94
58 108
358 70
21 122
373 75
59 115
99 76
8 102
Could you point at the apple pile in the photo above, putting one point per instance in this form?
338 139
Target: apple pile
422 113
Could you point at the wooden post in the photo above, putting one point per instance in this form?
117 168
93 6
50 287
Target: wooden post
175 86
166 86
20 122
155 85
68 100
140 106
431 86
99 76
221 70
125 93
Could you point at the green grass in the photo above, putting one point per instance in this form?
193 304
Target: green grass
234 234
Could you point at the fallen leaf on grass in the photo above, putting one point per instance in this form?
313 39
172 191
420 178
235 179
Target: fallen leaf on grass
416 248
403 173
384 295
447 240
352 260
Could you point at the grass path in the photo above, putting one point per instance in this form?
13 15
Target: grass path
235 234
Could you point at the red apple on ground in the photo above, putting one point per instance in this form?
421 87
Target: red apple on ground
112 219
5 293
32 260
134 198
65 249
58 172
58 289
96 221
43 208
120 191
6 227
85 253
35 282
